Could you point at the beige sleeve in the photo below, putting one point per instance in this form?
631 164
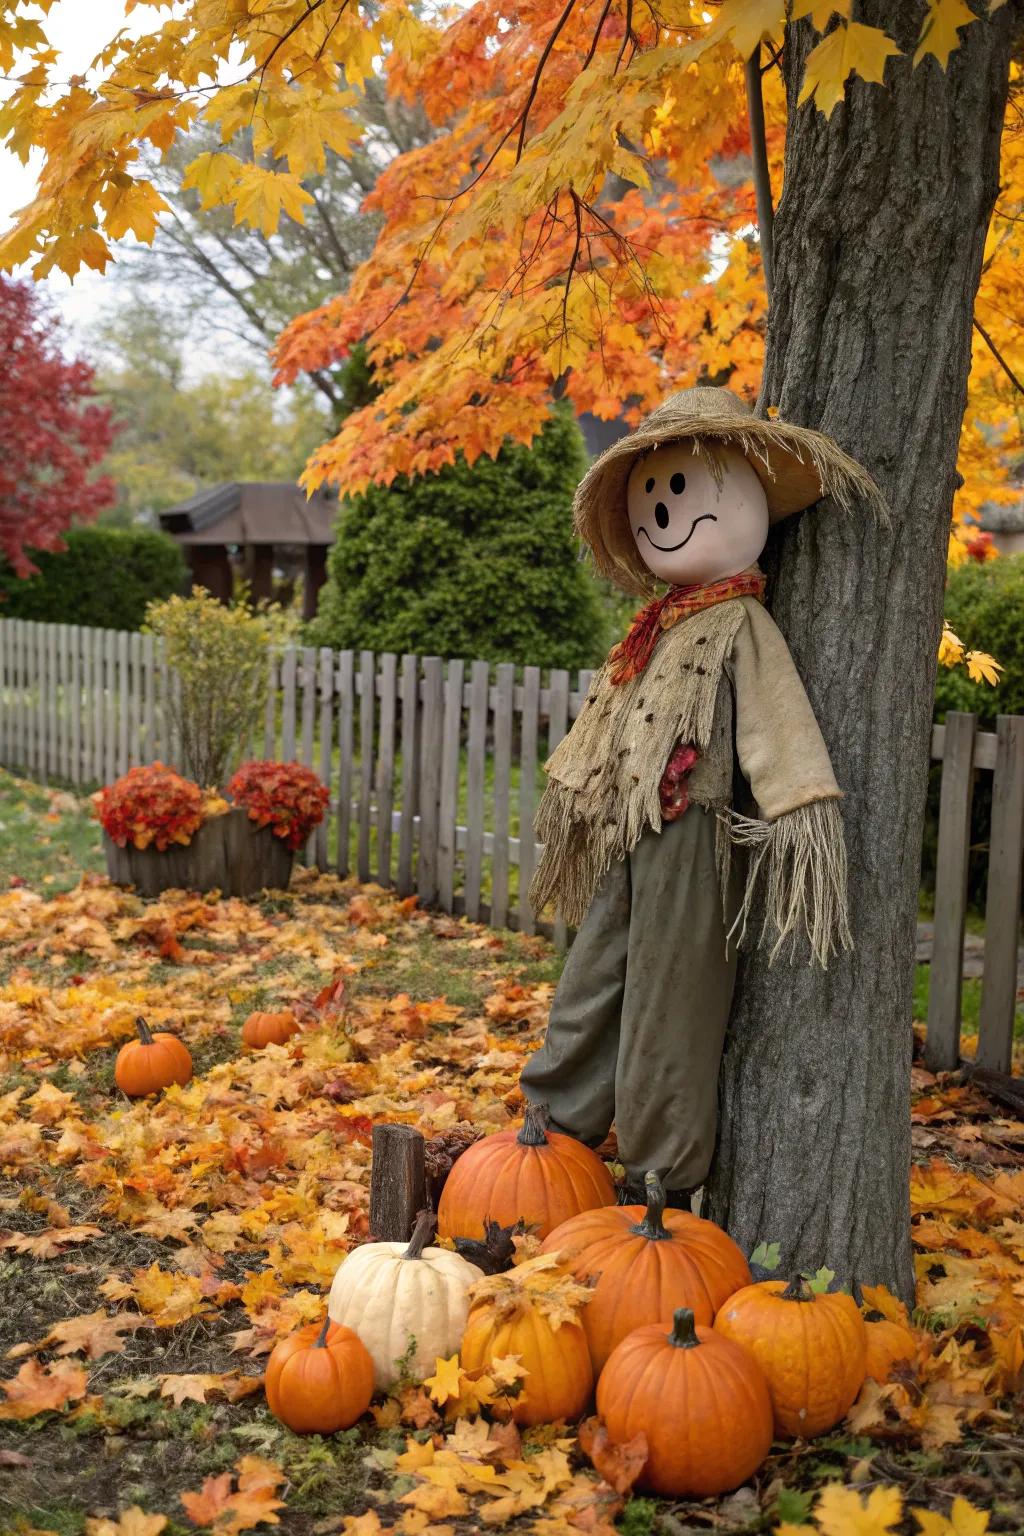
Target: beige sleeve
779 744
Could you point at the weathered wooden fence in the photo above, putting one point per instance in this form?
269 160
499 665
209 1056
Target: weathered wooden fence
433 765
964 751
434 772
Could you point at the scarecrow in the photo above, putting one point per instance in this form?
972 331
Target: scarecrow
639 816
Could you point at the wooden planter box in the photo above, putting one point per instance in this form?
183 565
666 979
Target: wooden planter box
229 853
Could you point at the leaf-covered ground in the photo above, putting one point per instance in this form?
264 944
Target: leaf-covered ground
152 1252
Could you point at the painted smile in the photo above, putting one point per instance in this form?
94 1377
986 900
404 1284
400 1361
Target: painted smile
667 549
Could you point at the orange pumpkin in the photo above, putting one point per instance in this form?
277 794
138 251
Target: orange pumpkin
646 1263
560 1378
319 1379
811 1346
533 1175
701 1401
262 1029
888 1345
151 1062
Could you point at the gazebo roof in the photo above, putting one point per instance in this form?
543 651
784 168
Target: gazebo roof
252 512
994 518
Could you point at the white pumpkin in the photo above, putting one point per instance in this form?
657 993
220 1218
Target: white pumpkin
391 1293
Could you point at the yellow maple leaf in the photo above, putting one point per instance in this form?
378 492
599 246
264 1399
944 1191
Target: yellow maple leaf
746 23
446 1380
262 196
843 1512
132 1522
939 30
168 1298
362 1525
507 1371
963 1520
951 648
314 126
852 48
821 11
132 205
983 668
878 1298
214 176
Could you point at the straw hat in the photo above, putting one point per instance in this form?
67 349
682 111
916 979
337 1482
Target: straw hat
796 466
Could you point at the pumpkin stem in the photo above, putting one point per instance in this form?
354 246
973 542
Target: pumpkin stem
145 1033
534 1131
684 1334
321 1338
422 1233
652 1226
798 1290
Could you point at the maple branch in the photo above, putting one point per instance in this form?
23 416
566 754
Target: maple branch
759 156
626 36
535 82
775 62
597 34
1000 359
577 215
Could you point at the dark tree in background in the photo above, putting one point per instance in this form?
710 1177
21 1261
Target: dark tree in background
879 239
53 433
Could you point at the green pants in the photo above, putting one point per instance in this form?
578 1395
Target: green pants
639 1018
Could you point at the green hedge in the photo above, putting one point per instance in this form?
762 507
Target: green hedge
104 578
475 561
985 606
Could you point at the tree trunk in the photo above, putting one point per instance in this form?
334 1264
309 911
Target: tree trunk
879 237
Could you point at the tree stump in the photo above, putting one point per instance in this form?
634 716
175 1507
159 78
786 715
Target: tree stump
397 1182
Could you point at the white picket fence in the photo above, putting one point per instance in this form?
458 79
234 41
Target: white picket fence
432 764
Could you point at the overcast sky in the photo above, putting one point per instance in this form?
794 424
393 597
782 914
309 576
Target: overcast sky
78 29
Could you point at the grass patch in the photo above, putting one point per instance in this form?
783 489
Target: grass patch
48 838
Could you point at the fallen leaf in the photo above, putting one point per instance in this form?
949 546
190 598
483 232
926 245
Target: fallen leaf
38 1389
133 1522
619 1465
49 1244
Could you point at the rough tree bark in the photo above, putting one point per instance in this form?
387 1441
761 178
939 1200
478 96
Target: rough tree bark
879 237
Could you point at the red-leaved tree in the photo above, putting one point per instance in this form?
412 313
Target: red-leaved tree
53 432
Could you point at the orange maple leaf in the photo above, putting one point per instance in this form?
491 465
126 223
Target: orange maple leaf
39 1389
229 1511
619 1465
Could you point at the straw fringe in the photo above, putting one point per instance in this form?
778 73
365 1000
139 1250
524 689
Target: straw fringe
604 776
798 864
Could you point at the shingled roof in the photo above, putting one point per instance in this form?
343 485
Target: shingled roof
252 512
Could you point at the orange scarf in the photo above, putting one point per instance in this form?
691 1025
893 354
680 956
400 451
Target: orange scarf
631 655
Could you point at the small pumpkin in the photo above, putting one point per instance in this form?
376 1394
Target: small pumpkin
646 1263
262 1029
701 1401
391 1293
319 1380
151 1062
889 1344
536 1176
812 1347
533 1312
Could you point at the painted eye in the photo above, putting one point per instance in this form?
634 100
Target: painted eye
678 484
661 515
649 487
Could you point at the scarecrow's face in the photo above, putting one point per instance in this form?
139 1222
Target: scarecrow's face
687 527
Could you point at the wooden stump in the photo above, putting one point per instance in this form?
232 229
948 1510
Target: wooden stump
397 1182
229 853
